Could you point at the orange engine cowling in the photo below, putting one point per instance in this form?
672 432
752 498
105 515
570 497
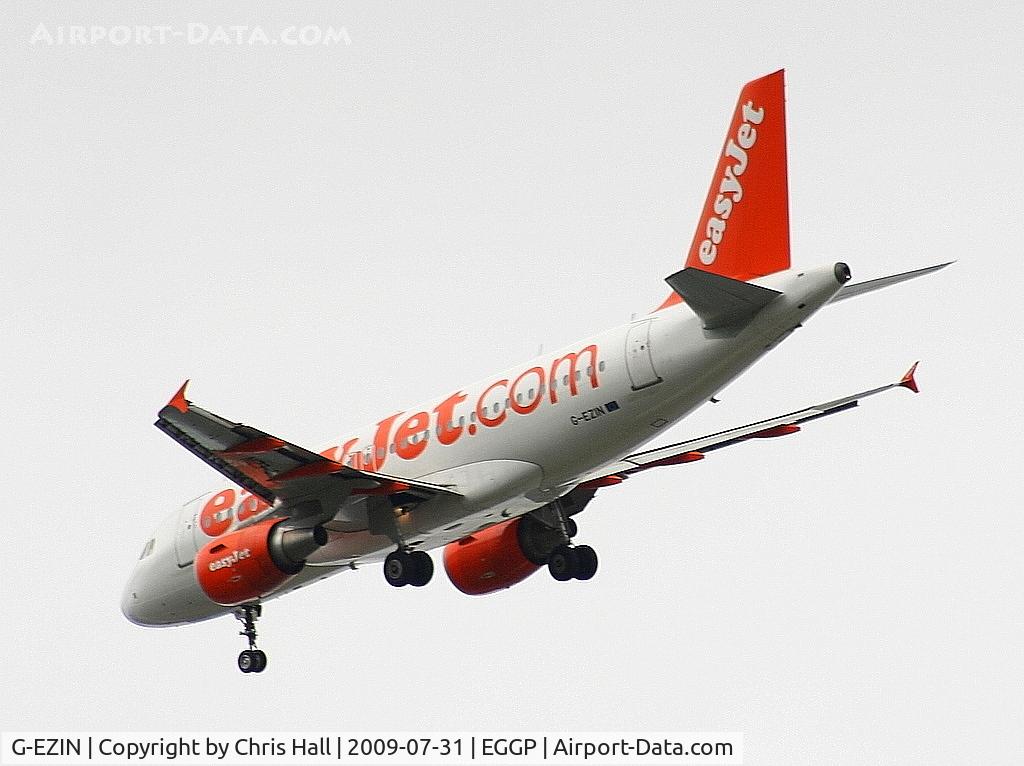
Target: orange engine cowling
254 561
489 560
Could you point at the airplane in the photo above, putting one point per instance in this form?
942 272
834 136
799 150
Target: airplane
494 472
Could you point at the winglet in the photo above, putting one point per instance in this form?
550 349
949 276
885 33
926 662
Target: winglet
178 401
907 381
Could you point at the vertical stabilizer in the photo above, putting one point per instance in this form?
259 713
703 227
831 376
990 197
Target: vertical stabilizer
743 230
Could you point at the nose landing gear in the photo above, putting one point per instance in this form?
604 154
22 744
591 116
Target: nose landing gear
252 660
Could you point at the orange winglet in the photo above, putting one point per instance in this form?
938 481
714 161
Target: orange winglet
178 401
907 381
385 488
604 481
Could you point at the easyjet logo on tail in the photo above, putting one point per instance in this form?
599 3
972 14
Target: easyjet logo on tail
743 229
730 190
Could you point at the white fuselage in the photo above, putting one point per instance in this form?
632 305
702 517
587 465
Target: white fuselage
508 444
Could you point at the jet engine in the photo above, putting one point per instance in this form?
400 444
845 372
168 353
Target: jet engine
254 561
499 556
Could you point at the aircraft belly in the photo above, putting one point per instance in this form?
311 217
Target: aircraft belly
489 491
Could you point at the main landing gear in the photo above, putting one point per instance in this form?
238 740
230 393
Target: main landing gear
405 567
252 660
545 538
567 561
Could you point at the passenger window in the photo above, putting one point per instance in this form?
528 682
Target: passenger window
600 366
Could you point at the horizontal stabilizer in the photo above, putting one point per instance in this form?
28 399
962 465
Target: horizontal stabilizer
720 301
859 288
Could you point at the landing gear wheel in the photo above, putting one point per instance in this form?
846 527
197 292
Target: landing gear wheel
563 563
423 569
587 560
399 568
252 660
408 568
570 528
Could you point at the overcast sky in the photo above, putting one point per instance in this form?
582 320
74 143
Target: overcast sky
316 235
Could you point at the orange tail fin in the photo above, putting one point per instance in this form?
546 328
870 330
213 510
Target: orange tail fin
743 232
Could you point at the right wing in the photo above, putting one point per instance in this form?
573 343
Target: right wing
695 449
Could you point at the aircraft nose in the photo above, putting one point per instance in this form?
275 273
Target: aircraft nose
131 606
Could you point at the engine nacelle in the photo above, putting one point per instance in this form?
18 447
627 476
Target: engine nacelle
254 561
499 556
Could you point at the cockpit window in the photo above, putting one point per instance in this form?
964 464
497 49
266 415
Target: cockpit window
147 548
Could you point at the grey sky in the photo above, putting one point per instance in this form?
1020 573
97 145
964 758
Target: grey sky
316 235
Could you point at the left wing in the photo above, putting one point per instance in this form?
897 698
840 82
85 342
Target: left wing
277 471
695 449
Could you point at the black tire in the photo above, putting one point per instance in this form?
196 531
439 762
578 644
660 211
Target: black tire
260 661
423 569
247 662
398 568
563 563
587 559
570 528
